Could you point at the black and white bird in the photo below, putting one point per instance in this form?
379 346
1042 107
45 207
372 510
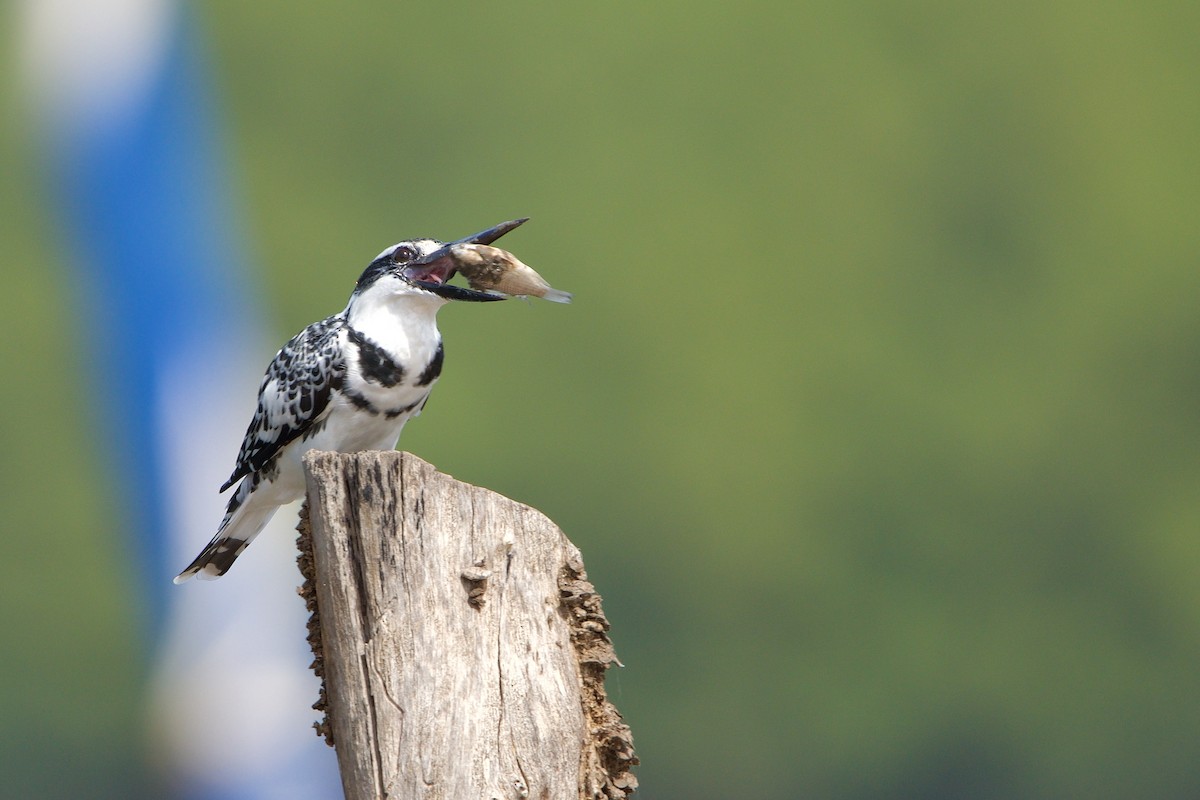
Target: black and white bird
347 383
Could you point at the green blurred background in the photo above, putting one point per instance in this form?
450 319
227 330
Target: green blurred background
875 416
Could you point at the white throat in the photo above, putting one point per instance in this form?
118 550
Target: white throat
405 325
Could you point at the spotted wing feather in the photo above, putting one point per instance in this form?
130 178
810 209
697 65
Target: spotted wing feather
293 396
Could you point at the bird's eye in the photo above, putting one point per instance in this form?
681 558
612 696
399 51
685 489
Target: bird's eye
403 254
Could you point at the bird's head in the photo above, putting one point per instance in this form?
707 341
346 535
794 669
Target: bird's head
422 269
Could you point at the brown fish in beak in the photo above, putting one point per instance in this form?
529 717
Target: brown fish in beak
494 270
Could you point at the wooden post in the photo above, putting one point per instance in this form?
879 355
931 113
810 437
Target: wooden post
462 647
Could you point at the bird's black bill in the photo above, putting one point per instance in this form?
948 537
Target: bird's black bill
450 292
493 233
483 237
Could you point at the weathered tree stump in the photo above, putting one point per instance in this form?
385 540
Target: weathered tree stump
462 646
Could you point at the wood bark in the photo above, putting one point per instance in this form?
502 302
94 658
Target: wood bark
462 647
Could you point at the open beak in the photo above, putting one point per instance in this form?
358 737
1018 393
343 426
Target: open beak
434 271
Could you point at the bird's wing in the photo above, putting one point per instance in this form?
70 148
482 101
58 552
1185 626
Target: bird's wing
294 394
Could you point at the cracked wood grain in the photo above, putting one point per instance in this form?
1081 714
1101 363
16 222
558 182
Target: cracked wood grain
462 646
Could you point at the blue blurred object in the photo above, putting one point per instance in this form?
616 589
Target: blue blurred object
175 352
142 197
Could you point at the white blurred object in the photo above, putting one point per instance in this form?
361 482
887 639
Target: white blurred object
89 62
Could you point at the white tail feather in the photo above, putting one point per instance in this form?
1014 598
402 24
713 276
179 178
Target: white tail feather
237 531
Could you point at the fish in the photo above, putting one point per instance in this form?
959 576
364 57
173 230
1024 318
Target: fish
494 270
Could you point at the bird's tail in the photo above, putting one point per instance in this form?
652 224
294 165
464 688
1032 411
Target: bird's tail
245 517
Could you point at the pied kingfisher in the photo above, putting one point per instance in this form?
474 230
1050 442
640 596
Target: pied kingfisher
347 383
